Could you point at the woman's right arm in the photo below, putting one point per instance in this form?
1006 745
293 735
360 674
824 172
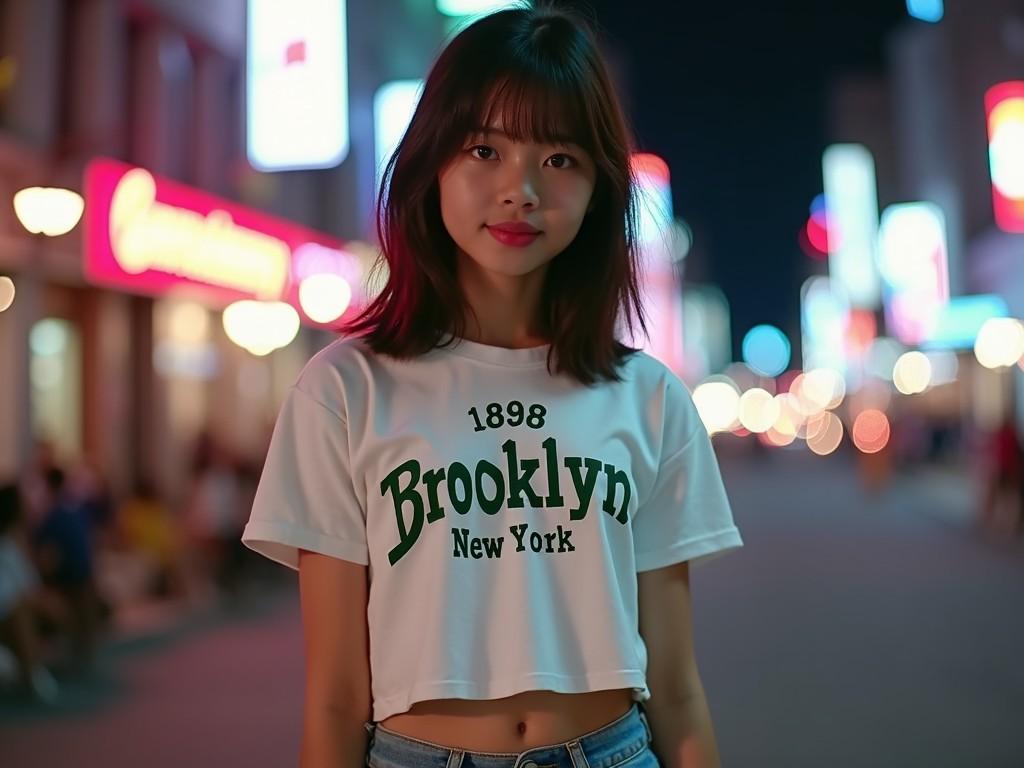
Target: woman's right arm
338 699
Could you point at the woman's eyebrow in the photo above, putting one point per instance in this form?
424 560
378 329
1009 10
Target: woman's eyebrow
481 131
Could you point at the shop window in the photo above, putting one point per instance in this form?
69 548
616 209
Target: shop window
56 379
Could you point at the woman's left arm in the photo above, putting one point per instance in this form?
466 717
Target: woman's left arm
680 721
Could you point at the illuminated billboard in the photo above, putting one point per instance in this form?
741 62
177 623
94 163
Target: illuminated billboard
296 84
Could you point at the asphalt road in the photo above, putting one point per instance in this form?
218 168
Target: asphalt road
852 630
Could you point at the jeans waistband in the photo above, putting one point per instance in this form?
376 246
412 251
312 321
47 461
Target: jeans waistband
607 746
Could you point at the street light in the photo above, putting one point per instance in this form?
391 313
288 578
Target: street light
50 211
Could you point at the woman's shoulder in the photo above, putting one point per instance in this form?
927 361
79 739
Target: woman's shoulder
335 370
668 399
652 374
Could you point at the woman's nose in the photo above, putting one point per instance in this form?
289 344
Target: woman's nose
520 189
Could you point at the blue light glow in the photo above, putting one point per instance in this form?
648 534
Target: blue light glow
926 10
819 205
959 321
766 350
474 7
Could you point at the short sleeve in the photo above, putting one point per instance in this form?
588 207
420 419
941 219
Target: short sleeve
305 498
686 516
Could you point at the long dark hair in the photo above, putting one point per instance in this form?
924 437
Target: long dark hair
540 68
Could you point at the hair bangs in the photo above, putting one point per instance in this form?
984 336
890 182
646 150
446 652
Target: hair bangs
535 109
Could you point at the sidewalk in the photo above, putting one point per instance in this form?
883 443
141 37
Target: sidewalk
137 626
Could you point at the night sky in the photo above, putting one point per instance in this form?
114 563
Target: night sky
733 96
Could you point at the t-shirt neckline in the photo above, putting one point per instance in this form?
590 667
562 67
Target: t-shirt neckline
526 357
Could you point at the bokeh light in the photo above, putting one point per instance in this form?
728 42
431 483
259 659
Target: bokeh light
50 211
324 297
766 350
827 434
912 373
926 10
48 337
718 402
6 293
1000 342
758 410
261 327
871 431
819 390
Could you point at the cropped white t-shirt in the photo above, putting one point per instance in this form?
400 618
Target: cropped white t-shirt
503 512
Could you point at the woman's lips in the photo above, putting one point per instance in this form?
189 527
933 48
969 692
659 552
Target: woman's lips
515 239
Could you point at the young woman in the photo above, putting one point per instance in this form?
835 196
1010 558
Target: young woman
492 503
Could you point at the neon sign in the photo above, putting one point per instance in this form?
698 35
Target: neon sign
144 234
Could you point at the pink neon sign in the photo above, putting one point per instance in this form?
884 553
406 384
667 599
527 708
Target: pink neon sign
148 235
1004 108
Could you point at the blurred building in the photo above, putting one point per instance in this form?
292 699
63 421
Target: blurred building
158 84
925 123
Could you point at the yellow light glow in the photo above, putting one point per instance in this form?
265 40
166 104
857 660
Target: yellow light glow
261 327
324 297
146 234
828 436
818 390
1000 342
790 411
912 373
48 210
758 410
6 293
718 403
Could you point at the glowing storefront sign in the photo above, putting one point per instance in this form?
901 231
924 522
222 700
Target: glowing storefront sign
914 264
297 84
852 195
148 235
1004 105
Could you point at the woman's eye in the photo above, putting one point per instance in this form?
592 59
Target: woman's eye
482 148
566 160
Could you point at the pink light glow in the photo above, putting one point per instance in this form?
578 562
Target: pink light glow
1004 110
215 221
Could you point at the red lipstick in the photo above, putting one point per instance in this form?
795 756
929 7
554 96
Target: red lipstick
514 233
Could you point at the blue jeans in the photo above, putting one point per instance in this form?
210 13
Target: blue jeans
623 743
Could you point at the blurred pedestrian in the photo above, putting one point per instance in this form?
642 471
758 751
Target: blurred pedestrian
1001 496
63 548
145 526
213 515
18 584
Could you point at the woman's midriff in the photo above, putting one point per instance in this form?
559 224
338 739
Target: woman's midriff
512 724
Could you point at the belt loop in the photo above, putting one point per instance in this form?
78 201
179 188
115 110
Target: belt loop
455 759
647 726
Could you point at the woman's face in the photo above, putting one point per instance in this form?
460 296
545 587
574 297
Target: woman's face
493 181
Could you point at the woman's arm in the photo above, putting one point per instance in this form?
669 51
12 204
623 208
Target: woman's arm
338 699
683 736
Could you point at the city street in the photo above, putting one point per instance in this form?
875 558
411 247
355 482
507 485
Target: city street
850 631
